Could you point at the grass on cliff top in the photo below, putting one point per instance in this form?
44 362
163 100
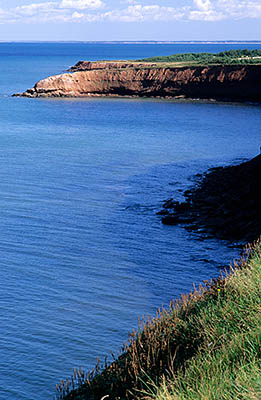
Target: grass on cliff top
206 346
238 57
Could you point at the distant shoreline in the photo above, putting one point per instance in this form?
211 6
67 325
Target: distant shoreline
138 41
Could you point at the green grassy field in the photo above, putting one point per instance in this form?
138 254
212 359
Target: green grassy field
227 363
230 57
205 346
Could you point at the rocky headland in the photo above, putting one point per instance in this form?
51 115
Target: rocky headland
143 79
225 203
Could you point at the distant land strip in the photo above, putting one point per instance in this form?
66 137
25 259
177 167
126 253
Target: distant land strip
138 41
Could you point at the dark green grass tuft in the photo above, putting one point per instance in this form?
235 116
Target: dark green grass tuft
205 346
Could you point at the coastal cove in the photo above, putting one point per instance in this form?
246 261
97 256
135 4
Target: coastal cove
83 251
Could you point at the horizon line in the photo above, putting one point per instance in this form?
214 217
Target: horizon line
254 41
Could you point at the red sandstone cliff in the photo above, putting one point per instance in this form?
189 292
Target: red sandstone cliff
240 83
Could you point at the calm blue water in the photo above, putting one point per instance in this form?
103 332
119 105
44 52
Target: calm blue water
82 251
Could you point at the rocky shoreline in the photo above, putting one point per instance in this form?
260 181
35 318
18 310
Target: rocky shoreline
225 203
239 83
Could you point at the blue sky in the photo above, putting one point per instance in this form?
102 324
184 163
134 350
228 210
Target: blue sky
130 20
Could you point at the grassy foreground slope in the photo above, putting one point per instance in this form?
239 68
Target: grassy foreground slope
206 346
227 364
230 57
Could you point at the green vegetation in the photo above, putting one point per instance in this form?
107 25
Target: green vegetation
239 57
227 365
206 346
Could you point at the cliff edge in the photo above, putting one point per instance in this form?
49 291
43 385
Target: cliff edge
228 82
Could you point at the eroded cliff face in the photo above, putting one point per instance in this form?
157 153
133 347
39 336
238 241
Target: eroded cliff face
240 83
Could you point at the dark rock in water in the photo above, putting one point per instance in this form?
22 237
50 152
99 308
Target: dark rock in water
225 203
182 207
163 212
170 203
170 220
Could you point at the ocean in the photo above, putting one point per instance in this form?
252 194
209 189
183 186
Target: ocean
83 252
